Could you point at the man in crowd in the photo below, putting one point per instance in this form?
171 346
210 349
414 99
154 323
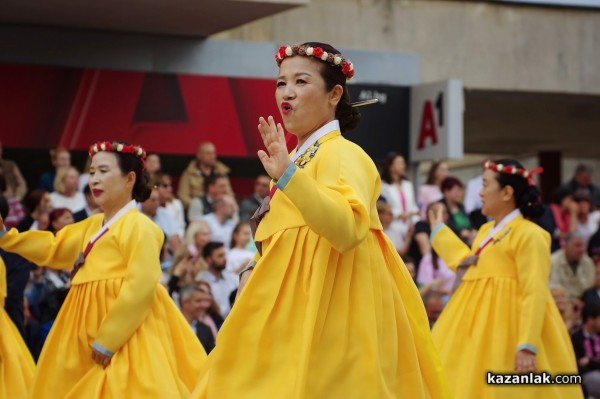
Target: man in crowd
571 267
205 165
222 282
250 204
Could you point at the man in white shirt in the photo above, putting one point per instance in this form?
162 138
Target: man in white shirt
222 282
223 220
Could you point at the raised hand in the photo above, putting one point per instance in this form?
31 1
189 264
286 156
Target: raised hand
437 217
277 159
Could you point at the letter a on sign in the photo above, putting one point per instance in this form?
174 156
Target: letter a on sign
428 129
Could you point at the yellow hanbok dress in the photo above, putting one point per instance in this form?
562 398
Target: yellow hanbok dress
330 310
115 301
16 363
503 304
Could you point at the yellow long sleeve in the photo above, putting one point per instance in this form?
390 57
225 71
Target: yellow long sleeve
43 248
532 256
449 247
335 204
141 241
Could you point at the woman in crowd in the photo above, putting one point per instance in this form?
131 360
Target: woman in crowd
502 318
326 308
38 205
188 263
431 191
458 220
66 190
239 255
399 192
118 334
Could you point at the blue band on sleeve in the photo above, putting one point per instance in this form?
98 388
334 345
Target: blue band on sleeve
100 349
3 232
435 230
287 175
528 347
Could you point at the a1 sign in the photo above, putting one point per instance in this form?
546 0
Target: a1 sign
436 121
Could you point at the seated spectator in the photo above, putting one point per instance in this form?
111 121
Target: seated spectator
434 305
581 183
592 294
216 186
223 220
192 301
16 187
250 204
586 343
431 190
434 272
572 269
38 206
160 216
410 266
221 281
239 255
188 262
560 217
60 158
16 212
458 220
384 211
168 201
66 190
191 184
399 192
153 164
90 206
594 248
565 306
84 178
588 219
420 244
212 314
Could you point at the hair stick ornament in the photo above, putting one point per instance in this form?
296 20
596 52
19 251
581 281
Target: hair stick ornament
365 102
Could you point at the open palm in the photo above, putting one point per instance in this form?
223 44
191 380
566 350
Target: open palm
277 159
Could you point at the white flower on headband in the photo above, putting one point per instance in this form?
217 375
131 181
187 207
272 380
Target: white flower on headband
500 167
119 147
337 60
289 51
103 147
324 56
309 51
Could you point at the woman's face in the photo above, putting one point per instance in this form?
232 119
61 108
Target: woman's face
165 190
301 96
63 159
107 182
45 204
63 220
491 193
243 236
455 194
202 238
398 166
560 299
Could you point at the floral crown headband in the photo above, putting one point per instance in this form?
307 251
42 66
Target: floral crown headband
118 147
333 59
513 170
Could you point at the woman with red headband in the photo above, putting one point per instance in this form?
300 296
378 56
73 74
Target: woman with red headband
118 333
501 318
326 309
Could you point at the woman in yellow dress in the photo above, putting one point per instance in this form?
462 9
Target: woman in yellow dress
16 363
329 310
118 333
502 318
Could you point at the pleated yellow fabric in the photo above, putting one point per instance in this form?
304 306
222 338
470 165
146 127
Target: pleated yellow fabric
329 311
115 301
502 303
16 363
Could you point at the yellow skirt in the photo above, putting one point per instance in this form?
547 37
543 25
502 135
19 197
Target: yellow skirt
478 332
16 363
162 359
314 323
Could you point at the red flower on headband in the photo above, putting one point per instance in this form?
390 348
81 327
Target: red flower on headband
281 52
317 52
346 68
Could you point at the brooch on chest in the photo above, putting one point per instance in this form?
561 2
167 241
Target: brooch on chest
307 155
504 234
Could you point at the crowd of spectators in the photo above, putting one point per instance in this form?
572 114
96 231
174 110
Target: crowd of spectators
208 240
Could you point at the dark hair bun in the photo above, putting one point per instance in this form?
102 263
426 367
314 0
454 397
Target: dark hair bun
529 203
141 189
346 114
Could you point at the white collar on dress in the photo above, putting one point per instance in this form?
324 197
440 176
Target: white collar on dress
320 132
